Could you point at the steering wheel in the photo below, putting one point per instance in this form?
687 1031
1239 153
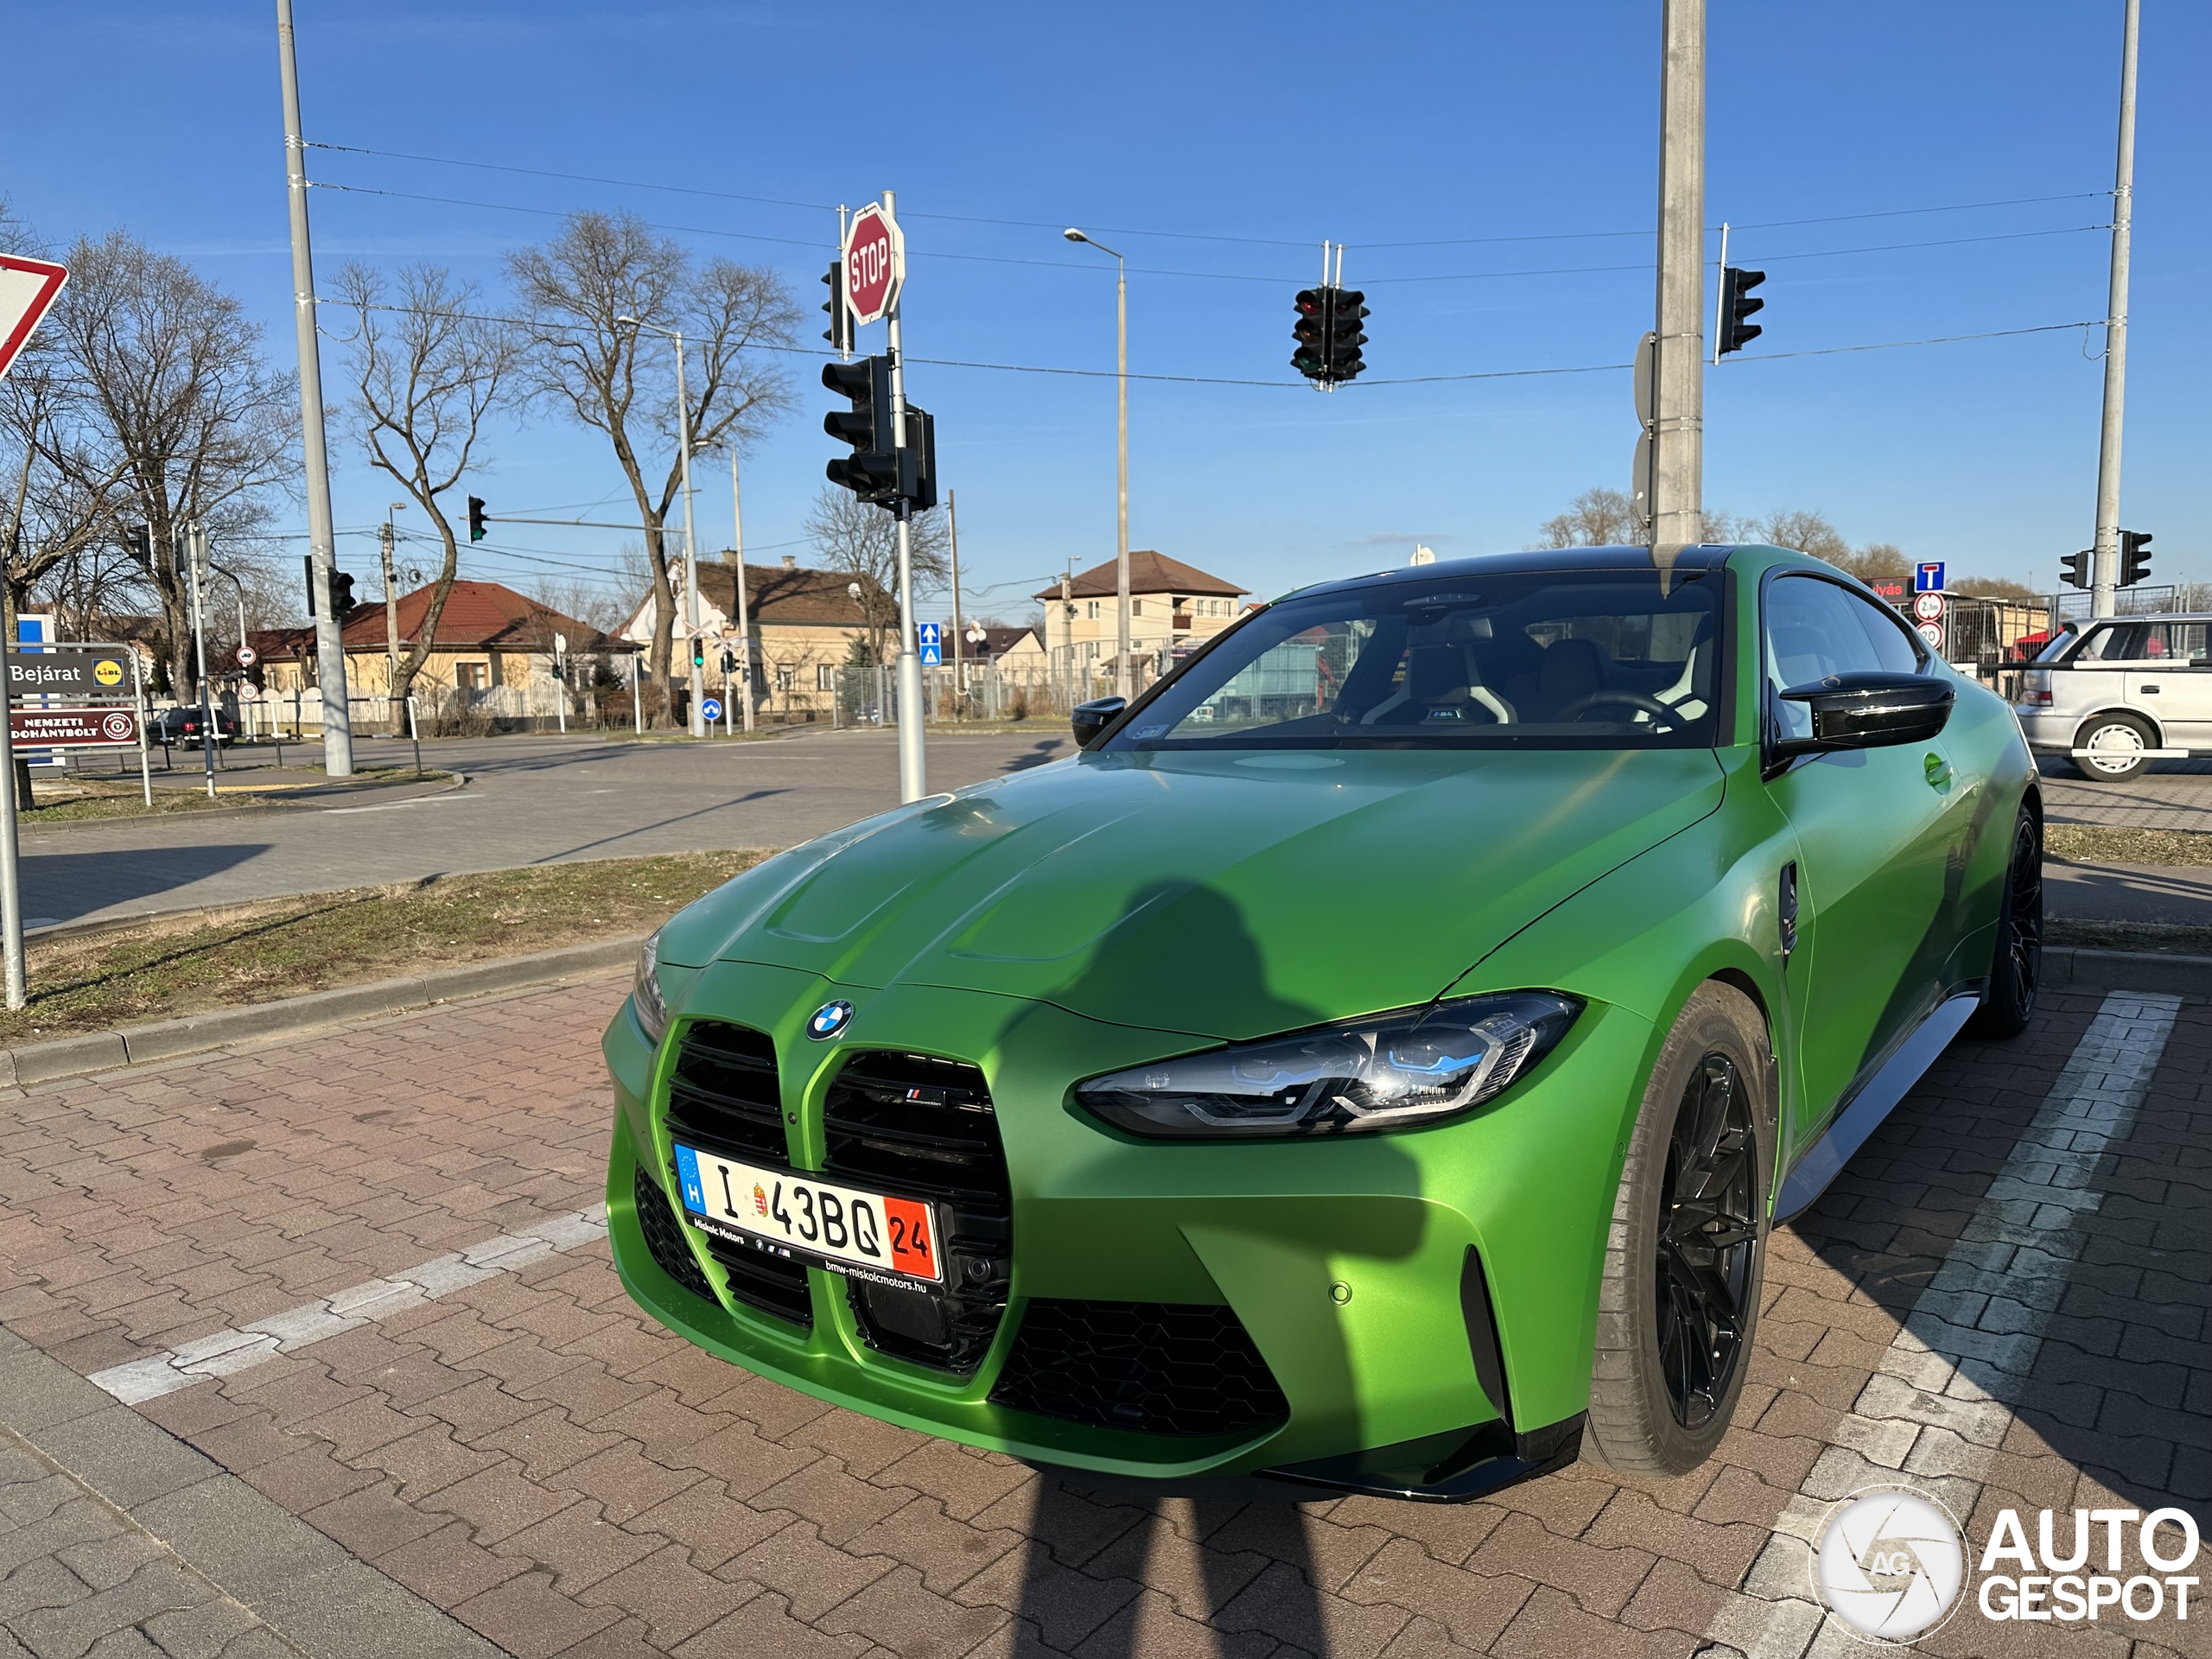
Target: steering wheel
1663 718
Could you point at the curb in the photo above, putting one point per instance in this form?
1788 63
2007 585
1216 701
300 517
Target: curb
2079 968
107 1050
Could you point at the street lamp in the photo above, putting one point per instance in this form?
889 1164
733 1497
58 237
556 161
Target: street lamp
691 547
1122 687
391 619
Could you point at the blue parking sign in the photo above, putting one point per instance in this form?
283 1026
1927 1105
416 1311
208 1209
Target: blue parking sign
932 644
1927 578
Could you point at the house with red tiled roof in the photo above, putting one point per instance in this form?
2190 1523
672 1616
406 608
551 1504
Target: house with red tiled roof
488 636
805 623
1172 605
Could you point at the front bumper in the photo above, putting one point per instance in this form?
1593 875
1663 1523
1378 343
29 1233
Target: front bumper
1347 1261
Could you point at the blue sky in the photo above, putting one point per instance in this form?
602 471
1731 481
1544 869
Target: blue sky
1426 137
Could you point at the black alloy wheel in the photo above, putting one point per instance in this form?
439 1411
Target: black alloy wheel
1707 1226
2016 964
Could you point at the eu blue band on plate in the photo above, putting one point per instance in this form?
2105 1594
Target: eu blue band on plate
687 1171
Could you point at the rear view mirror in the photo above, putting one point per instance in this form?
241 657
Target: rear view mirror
1094 717
1869 711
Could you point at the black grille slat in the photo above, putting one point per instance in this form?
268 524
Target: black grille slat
1159 1368
725 1093
921 1126
773 1284
664 1236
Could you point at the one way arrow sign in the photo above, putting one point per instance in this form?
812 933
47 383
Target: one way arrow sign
27 289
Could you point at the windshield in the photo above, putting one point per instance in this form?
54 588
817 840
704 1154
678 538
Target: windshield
1547 659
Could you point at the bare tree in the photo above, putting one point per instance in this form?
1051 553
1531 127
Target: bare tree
594 604
585 292
161 379
1596 518
427 370
863 541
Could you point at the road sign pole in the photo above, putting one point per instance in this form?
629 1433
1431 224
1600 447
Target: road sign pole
912 775
145 764
195 547
11 889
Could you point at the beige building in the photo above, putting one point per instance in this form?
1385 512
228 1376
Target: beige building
1171 604
805 623
490 640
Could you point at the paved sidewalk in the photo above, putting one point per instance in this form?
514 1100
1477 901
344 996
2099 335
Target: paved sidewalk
527 1453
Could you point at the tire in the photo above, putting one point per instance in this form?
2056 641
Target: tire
1676 1309
2125 736
2016 961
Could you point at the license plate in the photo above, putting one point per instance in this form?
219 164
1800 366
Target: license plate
844 1226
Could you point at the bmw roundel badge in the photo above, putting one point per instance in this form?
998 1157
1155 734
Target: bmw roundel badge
828 1020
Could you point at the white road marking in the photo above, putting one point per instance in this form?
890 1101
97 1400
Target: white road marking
1939 1403
401 806
221 1353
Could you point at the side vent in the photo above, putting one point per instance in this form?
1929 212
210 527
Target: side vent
664 1236
1159 1368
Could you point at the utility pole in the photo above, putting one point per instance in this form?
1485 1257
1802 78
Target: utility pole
690 548
195 556
744 616
952 524
390 624
1678 425
2105 568
329 644
913 780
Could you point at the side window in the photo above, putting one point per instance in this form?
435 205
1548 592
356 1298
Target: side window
2117 642
1813 629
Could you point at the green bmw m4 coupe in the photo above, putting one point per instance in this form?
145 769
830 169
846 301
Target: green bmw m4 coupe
1374 1061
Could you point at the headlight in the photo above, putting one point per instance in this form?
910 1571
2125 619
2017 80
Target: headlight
1394 1069
644 994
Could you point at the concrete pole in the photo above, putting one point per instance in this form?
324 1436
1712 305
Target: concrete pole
1124 678
1677 515
912 773
391 626
196 556
744 615
2105 567
959 669
690 546
329 644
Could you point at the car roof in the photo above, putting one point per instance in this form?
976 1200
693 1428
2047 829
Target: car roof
1699 556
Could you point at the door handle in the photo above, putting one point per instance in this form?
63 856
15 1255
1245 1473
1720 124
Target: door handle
2148 690
1938 772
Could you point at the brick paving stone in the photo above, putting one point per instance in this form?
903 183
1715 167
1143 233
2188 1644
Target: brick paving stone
534 1453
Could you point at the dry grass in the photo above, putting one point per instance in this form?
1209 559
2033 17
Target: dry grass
256 953
2102 843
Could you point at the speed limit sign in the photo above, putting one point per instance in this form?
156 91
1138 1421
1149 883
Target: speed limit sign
1932 633
1928 607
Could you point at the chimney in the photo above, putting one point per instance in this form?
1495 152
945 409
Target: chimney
790 561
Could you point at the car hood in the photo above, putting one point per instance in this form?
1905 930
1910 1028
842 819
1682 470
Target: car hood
1226 895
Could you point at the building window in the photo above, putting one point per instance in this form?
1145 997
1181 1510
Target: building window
1136 608
825 676
1091 611
784 678
471 677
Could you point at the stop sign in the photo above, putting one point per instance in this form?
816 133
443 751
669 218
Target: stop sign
876 264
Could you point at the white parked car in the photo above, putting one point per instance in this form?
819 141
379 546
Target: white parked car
2115 694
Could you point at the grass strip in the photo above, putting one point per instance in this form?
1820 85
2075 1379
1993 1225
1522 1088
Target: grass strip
105 798
316 942
2106 843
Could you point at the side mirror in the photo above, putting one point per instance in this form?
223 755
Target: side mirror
1869 711
1094 717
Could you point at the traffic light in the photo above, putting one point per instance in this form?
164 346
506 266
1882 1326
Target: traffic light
729 661
476 531
341 594
917 461
2134 563
1311 331
2076 571
871 471
1347 306
1736 304
839 333
698 651
138 543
